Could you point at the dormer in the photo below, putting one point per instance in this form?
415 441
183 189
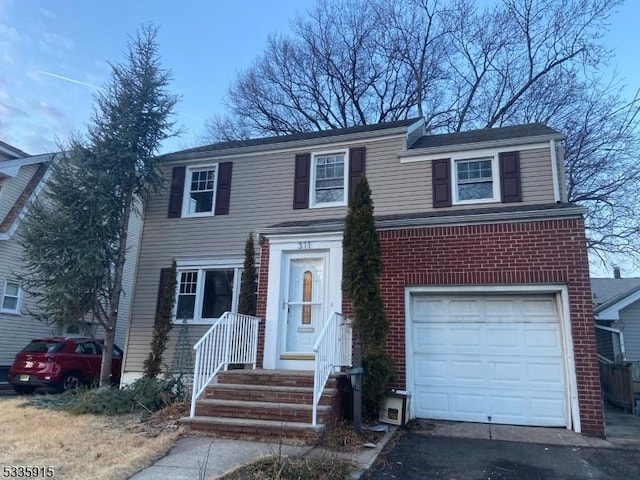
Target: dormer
489 167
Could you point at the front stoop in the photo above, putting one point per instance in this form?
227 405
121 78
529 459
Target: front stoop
274 405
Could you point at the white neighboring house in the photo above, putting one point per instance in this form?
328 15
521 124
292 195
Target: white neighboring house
22 176
617 315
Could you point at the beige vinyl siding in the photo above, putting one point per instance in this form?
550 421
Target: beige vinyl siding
128 279
16 330
262 195
630 320
12 187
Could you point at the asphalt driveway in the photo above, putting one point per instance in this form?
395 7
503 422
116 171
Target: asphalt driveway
421 456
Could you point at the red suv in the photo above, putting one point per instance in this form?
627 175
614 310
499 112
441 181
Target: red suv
61 363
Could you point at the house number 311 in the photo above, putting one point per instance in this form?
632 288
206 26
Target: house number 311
304 245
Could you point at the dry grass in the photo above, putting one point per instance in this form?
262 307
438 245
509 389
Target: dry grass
284 468
343 438
79 446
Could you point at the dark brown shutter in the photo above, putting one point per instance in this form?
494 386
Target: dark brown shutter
301 181
441 182
510 177
164 280
223 189
177 190
357 165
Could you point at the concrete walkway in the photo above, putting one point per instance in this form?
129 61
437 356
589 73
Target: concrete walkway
208 457
204 457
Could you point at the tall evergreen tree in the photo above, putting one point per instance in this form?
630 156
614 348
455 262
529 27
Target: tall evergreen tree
75 237
247 300
362 266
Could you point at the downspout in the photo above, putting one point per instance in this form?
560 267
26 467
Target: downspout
554 170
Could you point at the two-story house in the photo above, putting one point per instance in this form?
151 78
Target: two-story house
22 177
485 281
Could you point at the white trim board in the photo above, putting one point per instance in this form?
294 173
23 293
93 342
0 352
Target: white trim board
612 312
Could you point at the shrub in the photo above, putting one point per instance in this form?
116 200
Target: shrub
146 395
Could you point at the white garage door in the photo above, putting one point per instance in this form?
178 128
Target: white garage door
495 359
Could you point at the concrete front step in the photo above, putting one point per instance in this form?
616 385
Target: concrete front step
260 429
267 393
281 412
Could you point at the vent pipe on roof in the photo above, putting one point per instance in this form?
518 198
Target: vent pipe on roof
616 272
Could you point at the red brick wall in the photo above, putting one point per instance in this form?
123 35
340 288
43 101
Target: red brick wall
540 252
261 304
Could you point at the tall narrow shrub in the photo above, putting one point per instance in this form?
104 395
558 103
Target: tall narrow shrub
247 300
362 266
162 327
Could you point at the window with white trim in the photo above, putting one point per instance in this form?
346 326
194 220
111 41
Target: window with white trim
329 179
11 297
475 180
200 191
204 294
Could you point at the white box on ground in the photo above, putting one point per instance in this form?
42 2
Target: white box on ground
395 409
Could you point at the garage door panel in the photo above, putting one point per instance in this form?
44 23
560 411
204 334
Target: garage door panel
545 375
436 403
520 409
488 356
539 309
540 373
544 339
539 339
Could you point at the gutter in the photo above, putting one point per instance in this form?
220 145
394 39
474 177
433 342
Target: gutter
450 220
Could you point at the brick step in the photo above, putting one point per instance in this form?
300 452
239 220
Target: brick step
281 412
283 378
259 429
267 393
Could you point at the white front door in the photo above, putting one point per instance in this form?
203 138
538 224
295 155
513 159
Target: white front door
305 300
303 289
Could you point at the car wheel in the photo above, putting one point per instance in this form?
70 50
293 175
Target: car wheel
70 382
23 389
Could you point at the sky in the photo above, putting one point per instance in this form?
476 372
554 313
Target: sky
54 54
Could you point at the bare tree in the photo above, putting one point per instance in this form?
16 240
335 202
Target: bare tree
460 67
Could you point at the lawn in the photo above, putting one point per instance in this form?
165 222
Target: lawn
79 446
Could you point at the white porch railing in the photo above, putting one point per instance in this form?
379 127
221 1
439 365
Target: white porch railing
232 339
332 350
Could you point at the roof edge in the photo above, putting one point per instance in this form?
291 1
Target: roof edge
463 147
571 211
315 138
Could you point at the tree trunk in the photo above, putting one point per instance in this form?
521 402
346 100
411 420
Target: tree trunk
114 303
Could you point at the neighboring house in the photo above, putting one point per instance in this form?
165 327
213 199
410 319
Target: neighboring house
485 281
617 309
21 178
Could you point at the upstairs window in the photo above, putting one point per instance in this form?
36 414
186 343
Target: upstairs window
483 179
200 191
328 185
474 179
11 297
327 179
